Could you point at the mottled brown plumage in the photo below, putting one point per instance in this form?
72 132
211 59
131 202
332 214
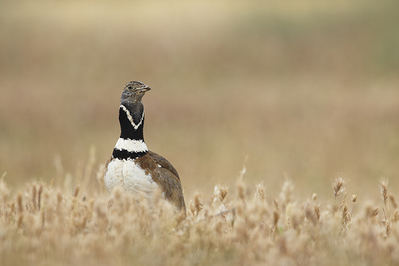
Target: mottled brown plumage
164 163
165 175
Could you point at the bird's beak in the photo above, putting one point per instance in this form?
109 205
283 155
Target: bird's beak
145 89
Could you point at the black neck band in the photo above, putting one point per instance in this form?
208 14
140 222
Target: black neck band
124 154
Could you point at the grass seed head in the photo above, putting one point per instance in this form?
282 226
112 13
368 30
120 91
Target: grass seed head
314 196
384 191
354 198
393 201
250 231
260 192
338 186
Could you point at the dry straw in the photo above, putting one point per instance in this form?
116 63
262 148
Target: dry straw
45 224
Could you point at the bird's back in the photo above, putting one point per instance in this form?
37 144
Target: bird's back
165 176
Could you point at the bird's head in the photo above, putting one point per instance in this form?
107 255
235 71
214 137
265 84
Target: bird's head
134 92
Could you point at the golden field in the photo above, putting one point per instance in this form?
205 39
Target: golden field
47 225
301 91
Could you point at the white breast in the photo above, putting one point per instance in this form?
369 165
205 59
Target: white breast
130 176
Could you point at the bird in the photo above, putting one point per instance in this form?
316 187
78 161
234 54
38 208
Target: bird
132 165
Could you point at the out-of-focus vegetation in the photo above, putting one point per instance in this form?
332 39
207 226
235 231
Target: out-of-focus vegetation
302 89
43 224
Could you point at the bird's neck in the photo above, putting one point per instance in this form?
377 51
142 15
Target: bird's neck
130 144
131 122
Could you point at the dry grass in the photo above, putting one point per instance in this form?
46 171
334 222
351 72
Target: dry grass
303 89
50 224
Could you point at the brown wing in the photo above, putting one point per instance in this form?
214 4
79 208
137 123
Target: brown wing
165 177
163 162
170 184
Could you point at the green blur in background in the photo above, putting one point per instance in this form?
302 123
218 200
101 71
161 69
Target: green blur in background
306 90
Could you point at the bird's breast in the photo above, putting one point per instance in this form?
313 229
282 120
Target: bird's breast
130 176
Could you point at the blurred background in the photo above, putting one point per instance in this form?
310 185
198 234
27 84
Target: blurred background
306 90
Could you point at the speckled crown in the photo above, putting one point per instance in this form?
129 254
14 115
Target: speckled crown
135 85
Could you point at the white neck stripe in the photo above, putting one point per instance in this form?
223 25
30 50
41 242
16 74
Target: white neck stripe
129 116
131 145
